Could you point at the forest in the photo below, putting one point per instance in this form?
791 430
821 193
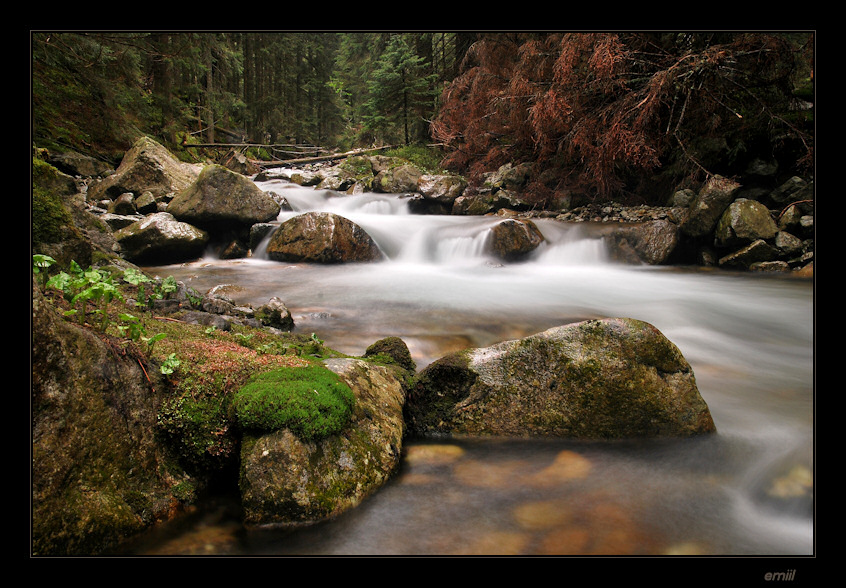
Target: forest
601 115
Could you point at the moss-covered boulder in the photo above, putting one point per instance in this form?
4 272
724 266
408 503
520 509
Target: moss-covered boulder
743 222
61 226
293 475
222 200
147 166
598 379
99 474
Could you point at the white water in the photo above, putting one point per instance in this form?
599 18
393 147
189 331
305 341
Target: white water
748 337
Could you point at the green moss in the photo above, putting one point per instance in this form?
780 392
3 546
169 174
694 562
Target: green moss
311 401
50 218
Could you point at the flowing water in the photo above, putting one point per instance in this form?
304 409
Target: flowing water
748 490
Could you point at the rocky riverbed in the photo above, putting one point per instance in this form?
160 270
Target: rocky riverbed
157 209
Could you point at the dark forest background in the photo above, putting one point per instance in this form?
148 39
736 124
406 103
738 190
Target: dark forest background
628 116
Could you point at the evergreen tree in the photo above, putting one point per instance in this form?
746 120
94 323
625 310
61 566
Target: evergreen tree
399 88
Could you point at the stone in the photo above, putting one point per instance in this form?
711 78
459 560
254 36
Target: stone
321 237
147 166
652 242
708 206
288 481
743 222
597 379
222 199
161 238
513 239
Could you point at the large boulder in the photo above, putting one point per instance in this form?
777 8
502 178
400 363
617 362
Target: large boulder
743 222
221 199
708 206
288 480
160 238
598 379
321 237
513 239
147 166
99 472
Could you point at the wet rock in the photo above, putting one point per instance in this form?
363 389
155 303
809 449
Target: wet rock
611 378
275 314
394 348
652 242
321 237
123 204
513 239
755 252
793 190
743 222
443 189
396 180
161 238
286 480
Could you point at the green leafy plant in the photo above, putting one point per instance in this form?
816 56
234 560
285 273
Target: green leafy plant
40 264
311 401
169 365
79 287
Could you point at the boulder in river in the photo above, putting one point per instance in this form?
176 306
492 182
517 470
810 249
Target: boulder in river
597 379
652 242
223 199
321 237
286 479
161 238
513 239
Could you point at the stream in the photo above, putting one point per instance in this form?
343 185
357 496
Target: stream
748 490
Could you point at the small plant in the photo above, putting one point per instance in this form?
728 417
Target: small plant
40 263
311 401
169 365
157 291
79 287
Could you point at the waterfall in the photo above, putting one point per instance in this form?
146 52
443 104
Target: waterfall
433 239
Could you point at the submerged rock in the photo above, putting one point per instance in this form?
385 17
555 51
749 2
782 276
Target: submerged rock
598 379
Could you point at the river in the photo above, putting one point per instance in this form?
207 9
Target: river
748 490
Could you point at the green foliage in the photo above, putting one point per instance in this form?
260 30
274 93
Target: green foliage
421 156
40 263
312 402
79 287
158 290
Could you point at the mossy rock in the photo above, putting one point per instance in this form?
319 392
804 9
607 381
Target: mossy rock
311 401
598 379
286 479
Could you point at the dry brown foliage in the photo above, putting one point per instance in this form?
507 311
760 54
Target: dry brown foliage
604 108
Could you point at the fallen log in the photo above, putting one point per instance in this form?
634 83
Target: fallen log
319 158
